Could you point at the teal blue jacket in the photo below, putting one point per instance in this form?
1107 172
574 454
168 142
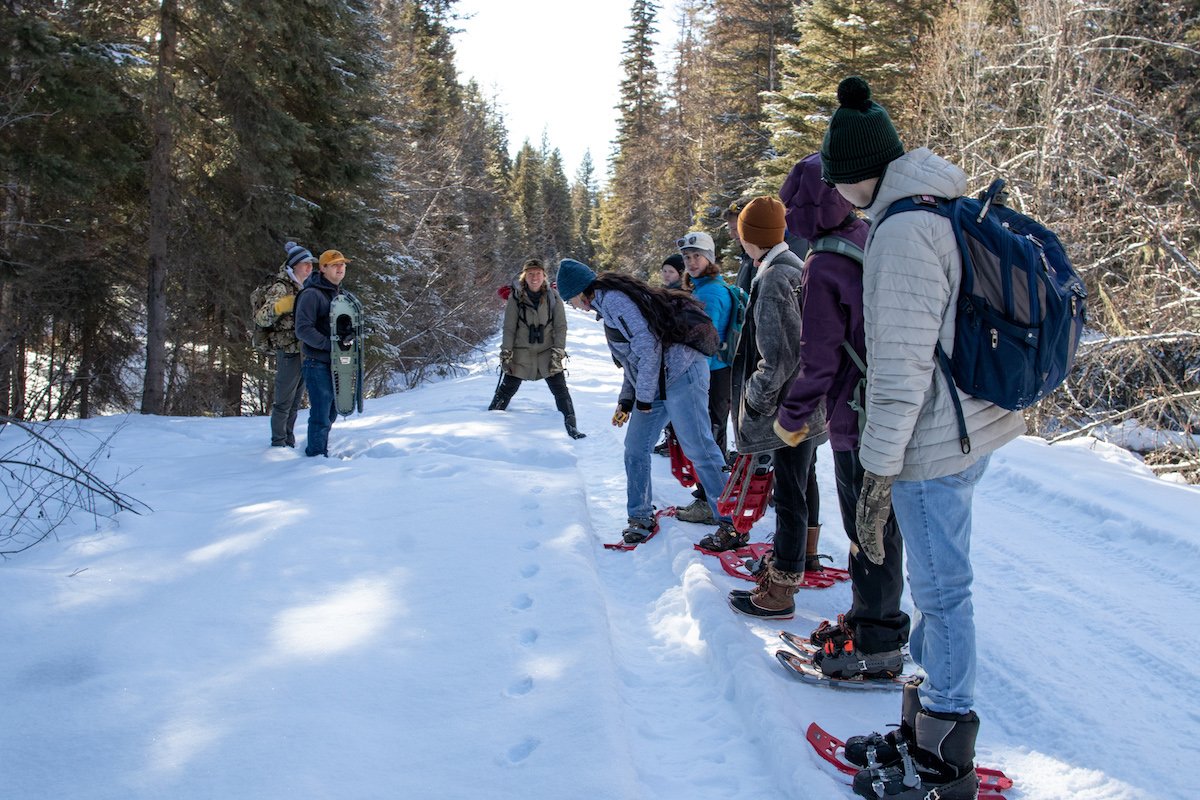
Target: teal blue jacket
714 294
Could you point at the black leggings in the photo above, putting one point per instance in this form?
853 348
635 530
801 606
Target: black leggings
558 387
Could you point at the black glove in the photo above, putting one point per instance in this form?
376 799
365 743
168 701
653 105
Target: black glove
346 341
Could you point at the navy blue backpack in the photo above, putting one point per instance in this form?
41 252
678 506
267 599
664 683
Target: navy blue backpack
1021 305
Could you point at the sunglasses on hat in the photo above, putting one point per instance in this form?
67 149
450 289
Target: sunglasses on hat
686 241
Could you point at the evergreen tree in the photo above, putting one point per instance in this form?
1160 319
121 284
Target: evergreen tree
837 38
740 65
528 201
584 205
558 220
73 148
628 207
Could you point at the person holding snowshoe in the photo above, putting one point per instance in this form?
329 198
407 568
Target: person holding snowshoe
866 641
661 384
274 314
534 343
913 455
312 329
766 363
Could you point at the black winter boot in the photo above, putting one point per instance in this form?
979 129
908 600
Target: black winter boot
879 750
572 431
940 763
499 402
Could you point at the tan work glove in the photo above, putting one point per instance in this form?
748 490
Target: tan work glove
871 514
506 358
791 438
621 415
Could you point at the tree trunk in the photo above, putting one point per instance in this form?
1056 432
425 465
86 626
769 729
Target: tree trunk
153 390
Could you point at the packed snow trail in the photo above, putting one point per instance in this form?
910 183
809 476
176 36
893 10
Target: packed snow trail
430 613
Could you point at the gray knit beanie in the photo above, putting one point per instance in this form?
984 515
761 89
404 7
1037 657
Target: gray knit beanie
861 140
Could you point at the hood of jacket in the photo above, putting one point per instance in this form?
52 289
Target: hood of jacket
917 172
318 281
813 209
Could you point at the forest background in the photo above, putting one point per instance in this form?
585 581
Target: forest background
155 156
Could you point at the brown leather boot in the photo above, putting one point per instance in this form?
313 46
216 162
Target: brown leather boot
772 598
812 561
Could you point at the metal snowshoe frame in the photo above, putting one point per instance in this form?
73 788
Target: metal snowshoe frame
346 363
748 490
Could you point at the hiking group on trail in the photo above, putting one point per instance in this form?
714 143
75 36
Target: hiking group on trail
853 320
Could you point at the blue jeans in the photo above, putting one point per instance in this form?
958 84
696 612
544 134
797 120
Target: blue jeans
322 410
686 408
935 523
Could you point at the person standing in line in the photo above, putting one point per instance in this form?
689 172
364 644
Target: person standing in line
911 451
534 343
700 262
661 384
767 361
276 315
673 275
312 329
672 272
866 641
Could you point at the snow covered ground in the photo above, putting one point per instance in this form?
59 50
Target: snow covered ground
430 614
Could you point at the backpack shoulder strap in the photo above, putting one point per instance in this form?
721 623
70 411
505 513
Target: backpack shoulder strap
838 245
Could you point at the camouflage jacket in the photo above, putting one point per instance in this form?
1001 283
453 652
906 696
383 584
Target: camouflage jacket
279 329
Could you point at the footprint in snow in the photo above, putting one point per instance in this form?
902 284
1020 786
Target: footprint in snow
523 750
521 686
528 637
522 602
529 570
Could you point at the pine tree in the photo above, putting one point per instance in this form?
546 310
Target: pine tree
584 205
627 210
558 220
72 155
879 41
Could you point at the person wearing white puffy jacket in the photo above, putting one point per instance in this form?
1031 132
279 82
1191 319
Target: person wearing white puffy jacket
914 458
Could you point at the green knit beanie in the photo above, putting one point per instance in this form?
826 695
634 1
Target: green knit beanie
861 140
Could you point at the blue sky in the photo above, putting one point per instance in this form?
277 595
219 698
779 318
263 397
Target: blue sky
553 66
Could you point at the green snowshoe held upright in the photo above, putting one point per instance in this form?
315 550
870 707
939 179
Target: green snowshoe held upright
346 352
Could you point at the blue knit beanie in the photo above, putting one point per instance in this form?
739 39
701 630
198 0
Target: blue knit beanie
573 278
296 254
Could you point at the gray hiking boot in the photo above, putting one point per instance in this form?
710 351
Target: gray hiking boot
696 511
844 660
639 530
